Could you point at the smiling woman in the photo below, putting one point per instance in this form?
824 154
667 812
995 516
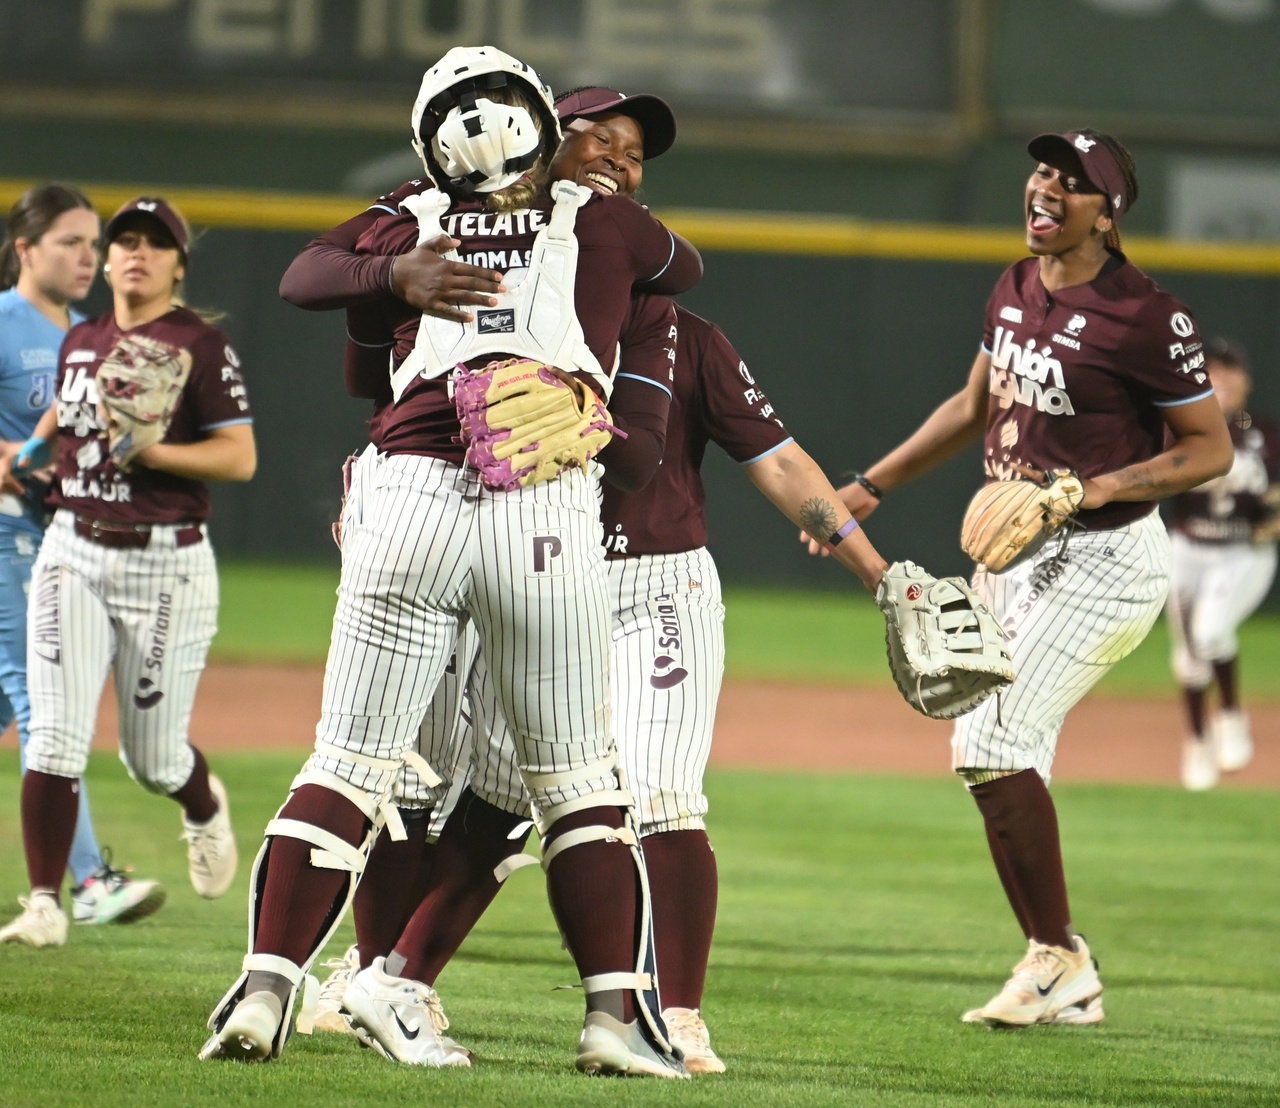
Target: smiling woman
1086 366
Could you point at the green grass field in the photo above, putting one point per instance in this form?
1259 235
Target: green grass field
283 613
859 916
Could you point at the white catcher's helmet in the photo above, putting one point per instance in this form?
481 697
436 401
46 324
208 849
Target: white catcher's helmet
468 142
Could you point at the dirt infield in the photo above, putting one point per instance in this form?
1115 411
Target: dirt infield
770 726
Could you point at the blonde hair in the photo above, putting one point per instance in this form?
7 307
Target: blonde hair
522 193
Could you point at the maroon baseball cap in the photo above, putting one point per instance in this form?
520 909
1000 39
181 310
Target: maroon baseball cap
158 209
1100 167
652 113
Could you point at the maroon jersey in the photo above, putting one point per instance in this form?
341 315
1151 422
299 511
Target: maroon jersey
619 244
1226 508
88 481
1079 376
716 400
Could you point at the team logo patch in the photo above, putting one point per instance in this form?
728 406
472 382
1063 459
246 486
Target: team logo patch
667 675
499 322
667 671
147 695
914 592
546 554
1181 324
1013 315
1076 324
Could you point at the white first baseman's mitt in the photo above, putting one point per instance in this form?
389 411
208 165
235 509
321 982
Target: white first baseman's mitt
1006 518
946 650
139 384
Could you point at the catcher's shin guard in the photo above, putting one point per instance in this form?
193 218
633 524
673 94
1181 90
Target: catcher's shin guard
329 852
643 980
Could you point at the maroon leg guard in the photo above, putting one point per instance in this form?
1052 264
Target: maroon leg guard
297 898
594 893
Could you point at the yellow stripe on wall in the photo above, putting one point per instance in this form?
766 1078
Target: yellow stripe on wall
745 232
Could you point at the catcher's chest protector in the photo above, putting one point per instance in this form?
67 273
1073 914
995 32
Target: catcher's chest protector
535 320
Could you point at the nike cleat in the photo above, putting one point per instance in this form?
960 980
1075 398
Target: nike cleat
401 1019
1046 983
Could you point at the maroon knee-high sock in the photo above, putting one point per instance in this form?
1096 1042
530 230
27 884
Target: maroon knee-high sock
683 883
1193 700
593 892
298 898
392 886
1004 870
1228 695
1020 815
475 838
49 806
197 799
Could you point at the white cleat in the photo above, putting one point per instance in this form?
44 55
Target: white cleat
1047 981
1199 764
110 895
1233 740
610 1047
211 848
328 1016
249 1032
401 1019
42 923
1089 1011
688 1032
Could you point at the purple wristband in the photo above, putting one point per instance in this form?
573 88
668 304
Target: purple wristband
844 532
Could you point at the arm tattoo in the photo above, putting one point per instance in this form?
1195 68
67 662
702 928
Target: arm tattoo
818 518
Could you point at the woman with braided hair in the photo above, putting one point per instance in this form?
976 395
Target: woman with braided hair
1086 365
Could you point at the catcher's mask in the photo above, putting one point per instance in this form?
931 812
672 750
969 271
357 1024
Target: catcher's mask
469 142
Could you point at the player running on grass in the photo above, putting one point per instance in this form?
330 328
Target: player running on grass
1086 365
47 262
126 581
1224 559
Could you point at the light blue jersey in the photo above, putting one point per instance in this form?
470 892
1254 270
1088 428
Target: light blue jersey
29 345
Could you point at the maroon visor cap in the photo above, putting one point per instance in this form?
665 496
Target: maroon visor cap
158 210
653 113
1099 164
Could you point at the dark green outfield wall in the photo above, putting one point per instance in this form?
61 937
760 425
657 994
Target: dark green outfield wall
853 352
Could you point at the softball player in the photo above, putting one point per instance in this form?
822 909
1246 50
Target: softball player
125 580
1223 565
667 615
426 547
48 260
1085 364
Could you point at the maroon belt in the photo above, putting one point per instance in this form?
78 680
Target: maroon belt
131 536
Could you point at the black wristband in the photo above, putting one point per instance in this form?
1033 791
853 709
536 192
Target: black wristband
869 485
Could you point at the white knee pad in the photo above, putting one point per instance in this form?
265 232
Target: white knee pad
643 979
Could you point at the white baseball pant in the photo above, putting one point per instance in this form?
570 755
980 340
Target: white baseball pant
147 614
1213 589
1069 619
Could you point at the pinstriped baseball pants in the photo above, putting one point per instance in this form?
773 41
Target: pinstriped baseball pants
1069 620
668 656
425 548
147 614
